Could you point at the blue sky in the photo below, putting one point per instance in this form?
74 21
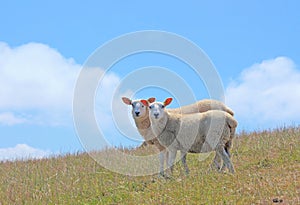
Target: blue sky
254 46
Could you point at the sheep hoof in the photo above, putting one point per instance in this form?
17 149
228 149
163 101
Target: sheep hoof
164 175
161 174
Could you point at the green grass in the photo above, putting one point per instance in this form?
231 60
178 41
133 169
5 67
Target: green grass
267 168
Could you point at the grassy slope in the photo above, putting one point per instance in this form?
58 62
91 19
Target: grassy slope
267 165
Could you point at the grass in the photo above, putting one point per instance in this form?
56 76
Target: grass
267 172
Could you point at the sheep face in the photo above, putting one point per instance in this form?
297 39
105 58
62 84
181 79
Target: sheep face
139 110
157 109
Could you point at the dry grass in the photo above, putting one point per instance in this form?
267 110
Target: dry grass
267 165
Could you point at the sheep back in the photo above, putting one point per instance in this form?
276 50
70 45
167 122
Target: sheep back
202 106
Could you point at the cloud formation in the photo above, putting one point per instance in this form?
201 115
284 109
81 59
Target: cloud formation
266 95
37 85
35 79
22 152
35 76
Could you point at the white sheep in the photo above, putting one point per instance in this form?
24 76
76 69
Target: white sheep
195 133
204 106
141 118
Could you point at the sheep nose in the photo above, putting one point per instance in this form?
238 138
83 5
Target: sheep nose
137 113
156 115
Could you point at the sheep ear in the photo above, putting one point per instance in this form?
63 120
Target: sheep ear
168 101
126 100
151 100
145 102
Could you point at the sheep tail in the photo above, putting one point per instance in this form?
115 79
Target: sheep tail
232 123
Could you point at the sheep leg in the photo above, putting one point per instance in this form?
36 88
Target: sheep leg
161 163
227 150
183 159
172 156
163 157
225 157
217 163
229 155
166 156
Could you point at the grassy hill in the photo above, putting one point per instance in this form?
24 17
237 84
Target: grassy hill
267 172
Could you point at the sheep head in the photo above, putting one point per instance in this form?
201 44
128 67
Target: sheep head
157 109
139 110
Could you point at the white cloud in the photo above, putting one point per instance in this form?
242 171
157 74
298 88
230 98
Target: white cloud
266 95
35 78
37 86
8 118
22 152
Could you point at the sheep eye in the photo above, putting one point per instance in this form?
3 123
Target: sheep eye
162 106
143 106
150 107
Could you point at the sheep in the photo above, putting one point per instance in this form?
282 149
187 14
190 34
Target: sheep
203 106
194 133
140 115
